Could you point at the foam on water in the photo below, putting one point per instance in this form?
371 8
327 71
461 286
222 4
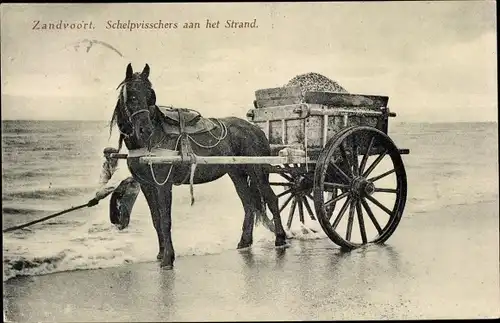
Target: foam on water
93 242
450 164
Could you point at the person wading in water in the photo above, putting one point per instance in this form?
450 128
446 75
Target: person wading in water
122 187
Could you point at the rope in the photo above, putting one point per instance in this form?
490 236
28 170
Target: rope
43 219
223 136
191 181
169 171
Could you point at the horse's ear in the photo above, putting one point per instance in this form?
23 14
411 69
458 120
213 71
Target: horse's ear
129 72
145 71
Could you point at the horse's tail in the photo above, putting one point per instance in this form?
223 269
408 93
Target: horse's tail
260 206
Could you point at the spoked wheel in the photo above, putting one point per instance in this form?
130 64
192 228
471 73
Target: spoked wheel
366 166
294 189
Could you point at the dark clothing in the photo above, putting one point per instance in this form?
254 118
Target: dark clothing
122 201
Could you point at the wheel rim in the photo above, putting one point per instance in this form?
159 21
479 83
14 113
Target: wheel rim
372 183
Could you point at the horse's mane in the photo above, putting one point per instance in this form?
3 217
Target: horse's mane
114 117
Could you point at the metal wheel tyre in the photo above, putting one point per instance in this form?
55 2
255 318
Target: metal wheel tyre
365 164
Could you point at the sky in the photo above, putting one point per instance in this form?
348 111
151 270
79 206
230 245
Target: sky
437 61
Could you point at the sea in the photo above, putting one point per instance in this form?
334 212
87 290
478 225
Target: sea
50 166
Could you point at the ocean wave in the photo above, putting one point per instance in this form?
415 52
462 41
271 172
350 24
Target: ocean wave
58 149
21 266
19 210
9 176
58 193
18 127
100 245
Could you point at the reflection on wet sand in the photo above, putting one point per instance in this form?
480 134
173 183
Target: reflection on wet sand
310 280
375 273
306 273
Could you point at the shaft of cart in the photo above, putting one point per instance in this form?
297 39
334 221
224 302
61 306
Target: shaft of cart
232 160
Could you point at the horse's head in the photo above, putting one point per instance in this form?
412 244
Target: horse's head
135 111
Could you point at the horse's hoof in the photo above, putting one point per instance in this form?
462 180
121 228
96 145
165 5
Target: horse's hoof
167 267
159 256
281 242
283 246
243 245
305 230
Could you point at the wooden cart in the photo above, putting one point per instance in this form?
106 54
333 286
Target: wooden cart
334 159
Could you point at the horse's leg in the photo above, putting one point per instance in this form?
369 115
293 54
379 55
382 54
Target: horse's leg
240 183
151 197
261 179
165 208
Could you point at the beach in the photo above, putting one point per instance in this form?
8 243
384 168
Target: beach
441 264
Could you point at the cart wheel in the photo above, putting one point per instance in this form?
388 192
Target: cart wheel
294 189
367 191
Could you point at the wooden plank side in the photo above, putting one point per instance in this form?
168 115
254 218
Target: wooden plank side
276 132
295 132
287 112
278 93
335 124
320 110
266 103
347 100
263 126
314 131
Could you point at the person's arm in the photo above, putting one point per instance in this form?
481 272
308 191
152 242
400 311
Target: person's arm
104 191
106 173
108 187
107 183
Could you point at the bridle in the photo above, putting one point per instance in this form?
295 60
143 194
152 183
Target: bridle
123 103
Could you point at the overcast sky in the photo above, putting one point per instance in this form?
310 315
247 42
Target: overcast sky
435 60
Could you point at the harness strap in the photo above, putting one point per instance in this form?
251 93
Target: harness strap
187 152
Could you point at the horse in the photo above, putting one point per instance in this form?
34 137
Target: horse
142 125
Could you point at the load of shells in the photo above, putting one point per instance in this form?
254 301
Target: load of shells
315 82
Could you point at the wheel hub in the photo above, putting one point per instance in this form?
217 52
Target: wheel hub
361 187
301 185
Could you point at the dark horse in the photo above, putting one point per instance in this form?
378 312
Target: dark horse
143 125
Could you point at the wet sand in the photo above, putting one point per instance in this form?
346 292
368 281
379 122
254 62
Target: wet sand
439 264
